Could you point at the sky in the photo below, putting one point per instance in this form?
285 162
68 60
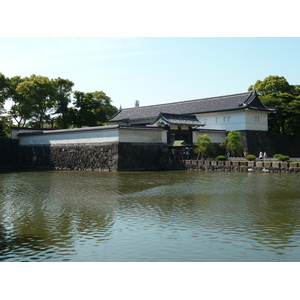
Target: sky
153 70
157 51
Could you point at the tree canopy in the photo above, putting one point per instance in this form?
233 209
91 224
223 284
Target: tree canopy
38 101
232 143
271 85
203 146
91 109
276 92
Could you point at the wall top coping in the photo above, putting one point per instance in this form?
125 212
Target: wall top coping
96 128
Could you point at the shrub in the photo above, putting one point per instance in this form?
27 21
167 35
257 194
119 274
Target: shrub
250 157
232 143
221 157
203 146
281 157
284 158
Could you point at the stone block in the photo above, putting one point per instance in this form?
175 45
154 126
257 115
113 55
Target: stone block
200 163
251 163
294 165
259 164
276 164
207 162
267 164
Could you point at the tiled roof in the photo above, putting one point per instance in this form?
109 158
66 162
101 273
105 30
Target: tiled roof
214 104
179 144
178 119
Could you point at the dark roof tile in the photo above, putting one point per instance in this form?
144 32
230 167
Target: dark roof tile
222 103
170 119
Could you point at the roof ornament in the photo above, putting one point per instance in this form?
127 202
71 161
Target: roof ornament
137 103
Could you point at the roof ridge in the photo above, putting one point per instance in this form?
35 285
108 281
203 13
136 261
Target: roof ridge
185 101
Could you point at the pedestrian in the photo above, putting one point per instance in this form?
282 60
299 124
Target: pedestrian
188 154
265 155
260 155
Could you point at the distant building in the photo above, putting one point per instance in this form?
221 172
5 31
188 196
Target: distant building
185 120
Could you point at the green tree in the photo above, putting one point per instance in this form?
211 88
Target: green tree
5 125
203 146
20 110
2 89
40 94
270 85
232 143
40 102
63 98
92 109
275 91
5 121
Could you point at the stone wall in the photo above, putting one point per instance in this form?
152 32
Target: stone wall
83 157
126 156
137 156
256 141
238 166
9 153
98 157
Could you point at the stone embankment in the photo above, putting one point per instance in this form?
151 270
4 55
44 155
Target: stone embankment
84 157
9 151
274 166
91 157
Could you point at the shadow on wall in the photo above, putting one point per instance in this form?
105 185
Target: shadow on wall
9 153
256 141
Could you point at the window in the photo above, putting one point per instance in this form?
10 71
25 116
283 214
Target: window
226 119
256 118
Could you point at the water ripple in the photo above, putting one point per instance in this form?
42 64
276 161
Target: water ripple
149 216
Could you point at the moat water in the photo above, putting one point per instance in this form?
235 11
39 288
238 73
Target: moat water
178 216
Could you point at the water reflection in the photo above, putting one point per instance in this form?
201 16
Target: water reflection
46 213
149 216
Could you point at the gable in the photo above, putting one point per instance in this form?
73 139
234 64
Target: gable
171 119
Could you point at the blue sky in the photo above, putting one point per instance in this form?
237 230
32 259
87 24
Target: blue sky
153 70
153 51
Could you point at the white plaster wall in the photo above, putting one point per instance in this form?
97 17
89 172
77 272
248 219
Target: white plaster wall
256 120
142 136
164 136
108 135
235 120
94 136
223 120
215 137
